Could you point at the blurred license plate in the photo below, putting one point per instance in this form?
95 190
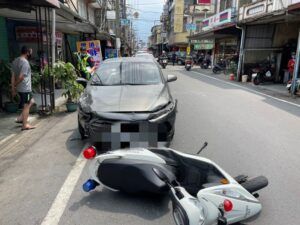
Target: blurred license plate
165 61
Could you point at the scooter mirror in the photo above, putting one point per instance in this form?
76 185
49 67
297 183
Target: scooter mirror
82 81
161 175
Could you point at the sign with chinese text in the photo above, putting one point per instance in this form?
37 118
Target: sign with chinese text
111 53
125 22
188 50
190 26
178 16
203 2
93 48
217 20
111 15
29 34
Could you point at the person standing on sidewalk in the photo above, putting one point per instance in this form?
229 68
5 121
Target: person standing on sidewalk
174 58
291 65
21 83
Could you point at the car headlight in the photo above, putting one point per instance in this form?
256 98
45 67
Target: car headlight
160 114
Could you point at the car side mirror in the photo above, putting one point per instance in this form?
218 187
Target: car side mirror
171 78
82 81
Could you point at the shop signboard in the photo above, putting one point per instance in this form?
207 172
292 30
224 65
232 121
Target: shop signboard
93 48
218 19
203 2
178 16
295 2
111 15
29 34
125 22
188 50
190 26
163 35
206 44
111 53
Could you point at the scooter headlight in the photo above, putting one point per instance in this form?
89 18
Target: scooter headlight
229 193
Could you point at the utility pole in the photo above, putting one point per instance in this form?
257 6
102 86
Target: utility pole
118 25
190 41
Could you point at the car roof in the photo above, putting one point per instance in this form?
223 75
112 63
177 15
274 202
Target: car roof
130 59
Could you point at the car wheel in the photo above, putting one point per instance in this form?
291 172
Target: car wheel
81 131
179 62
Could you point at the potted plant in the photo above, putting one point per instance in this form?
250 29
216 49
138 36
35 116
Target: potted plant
72 89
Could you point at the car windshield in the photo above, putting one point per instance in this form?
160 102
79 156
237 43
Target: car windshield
127 73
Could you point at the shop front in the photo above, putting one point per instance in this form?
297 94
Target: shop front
270 41
220 35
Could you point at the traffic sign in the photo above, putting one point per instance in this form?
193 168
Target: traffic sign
191 26
125 22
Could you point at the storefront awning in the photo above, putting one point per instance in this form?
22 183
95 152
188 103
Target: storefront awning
227 30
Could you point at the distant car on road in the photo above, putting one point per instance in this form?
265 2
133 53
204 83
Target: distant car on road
127 95
145 55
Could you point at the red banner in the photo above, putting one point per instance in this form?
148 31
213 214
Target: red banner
203 1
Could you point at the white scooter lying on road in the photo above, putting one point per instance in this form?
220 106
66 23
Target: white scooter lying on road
202 193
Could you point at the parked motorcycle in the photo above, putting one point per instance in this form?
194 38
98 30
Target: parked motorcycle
205 64
264 73
188 63
163 62
200 190
219 67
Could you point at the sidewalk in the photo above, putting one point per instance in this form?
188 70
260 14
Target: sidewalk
276 90
8 127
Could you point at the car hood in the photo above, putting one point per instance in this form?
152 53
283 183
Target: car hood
125 98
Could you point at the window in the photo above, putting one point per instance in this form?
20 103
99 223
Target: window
127 73
225 4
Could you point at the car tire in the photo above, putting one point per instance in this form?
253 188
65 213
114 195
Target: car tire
81 131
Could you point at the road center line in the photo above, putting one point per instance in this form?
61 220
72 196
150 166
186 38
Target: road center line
248 89
58 206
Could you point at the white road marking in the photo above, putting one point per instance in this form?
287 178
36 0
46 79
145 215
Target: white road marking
58 206
249 89
7 138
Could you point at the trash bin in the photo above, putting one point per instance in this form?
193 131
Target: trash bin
244 78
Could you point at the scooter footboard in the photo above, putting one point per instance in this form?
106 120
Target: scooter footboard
255 184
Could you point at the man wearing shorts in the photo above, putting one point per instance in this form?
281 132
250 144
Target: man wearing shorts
21 83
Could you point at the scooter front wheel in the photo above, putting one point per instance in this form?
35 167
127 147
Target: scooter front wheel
256 80
215 70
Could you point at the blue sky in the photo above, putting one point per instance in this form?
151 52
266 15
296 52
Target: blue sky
149 12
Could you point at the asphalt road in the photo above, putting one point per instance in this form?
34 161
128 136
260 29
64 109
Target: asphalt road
247 133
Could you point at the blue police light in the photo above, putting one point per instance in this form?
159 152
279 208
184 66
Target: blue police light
89 185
